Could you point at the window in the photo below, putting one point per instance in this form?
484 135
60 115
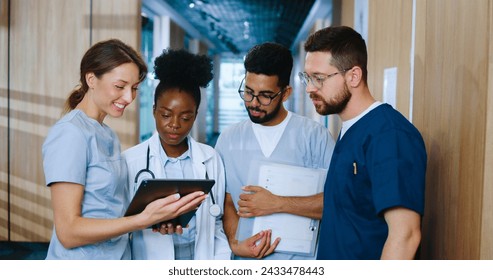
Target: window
231 107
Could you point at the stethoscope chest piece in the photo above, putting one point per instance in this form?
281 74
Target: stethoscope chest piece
214 210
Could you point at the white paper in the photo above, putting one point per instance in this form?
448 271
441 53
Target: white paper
297 233
390 86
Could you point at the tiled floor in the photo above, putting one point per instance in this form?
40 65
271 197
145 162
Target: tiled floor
23 250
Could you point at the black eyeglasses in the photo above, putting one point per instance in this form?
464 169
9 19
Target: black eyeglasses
318 79
263 98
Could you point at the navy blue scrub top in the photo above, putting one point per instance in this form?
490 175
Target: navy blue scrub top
379 163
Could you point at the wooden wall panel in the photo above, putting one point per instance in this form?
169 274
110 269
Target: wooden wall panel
120 19
45 56
451 74
487 211
3 120
347 12
388 20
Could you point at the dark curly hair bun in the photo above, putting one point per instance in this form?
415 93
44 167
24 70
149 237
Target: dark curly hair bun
183 69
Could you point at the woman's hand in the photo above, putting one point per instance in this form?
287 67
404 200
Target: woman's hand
170 207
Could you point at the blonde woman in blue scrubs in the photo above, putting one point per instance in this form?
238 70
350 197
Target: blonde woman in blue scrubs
83 166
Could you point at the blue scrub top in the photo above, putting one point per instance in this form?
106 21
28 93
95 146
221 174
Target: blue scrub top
379 163
80 150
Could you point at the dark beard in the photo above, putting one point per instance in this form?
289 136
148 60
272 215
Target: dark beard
337 106
267 117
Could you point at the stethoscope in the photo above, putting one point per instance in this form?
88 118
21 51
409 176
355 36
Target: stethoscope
214 209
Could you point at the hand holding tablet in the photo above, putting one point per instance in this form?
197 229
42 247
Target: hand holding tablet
153 189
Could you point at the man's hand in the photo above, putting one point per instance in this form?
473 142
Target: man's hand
257 201
257 246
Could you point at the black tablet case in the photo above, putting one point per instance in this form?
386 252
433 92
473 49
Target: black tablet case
152 189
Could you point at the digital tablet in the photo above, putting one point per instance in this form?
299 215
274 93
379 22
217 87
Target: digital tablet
152 189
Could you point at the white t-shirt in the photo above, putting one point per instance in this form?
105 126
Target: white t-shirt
268 136
347 124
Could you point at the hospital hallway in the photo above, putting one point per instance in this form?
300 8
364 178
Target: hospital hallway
428 59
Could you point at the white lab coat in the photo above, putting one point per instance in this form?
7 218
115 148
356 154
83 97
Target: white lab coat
210 241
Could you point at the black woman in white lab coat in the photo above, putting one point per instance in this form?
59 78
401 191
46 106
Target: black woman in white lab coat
172 153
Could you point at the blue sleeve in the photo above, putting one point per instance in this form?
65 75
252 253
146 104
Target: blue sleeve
65 155
397 170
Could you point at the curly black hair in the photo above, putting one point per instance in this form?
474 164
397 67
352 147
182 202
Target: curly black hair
271 59
182 70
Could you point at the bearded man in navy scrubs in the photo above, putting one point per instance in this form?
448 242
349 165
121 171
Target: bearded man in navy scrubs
374 192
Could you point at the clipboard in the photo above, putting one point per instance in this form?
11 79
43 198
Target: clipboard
152 189
299 235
